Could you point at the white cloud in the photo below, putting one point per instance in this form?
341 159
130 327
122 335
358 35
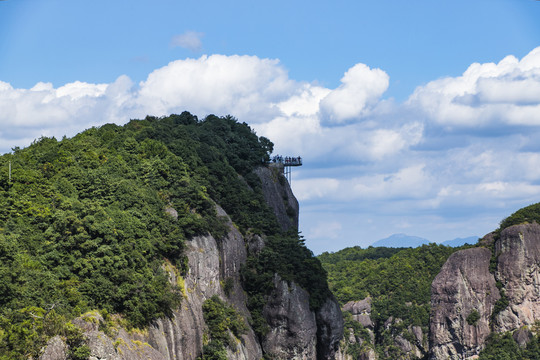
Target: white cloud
326 230
244 86
412 182
373 160
190 40
360 89
502 94
315 188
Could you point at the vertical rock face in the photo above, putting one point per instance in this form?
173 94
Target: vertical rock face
329 329
279 196
465 284
181 337
209 264
463 287
296 332
328 319
293 328
518 251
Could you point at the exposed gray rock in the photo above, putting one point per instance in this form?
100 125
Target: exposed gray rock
418 334
522 336
403 344
88 322
369 354
293 328
233 254
255 244
132 346
209 265
388 323
169 210
56 349
329 329
279 196
361 311
181 337
101 346
518 271
463 285
487 240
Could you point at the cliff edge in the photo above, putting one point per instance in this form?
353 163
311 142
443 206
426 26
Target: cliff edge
484 290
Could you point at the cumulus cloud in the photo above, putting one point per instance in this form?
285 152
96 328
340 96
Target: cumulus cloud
485 95
435 152
245 86
259 91
360 89
191 40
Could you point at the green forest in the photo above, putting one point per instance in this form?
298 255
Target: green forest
398 281
88 222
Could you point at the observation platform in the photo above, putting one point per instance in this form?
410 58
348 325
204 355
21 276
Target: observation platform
284 163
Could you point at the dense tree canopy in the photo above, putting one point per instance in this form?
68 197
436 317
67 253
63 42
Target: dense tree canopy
527 214
397 280
85 222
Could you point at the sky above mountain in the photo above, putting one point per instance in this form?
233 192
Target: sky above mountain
418 117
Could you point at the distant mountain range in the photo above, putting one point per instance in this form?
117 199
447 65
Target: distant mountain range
403 240
461 241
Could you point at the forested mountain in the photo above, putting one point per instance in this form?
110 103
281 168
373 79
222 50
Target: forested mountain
174 238
390 287
101 222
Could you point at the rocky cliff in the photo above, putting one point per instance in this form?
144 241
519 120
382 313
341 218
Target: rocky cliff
518 260
295 331
486 289
463 288
279 196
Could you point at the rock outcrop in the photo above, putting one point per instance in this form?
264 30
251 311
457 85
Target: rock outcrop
279 196
518 270
56 349
329 329
401 343
463 296
293 327
468 302
361 312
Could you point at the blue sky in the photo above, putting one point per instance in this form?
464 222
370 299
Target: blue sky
417 117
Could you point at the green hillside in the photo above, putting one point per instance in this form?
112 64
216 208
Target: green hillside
397 280
90 222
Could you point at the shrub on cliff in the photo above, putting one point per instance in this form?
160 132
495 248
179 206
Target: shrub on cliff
527 214
223 322
287 256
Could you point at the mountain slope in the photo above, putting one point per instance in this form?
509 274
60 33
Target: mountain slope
143 224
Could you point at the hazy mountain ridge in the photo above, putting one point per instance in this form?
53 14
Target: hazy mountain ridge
404 240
